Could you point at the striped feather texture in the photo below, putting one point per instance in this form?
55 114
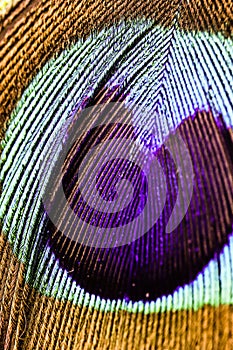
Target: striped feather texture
170 65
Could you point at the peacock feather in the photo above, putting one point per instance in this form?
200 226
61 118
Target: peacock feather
116 175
